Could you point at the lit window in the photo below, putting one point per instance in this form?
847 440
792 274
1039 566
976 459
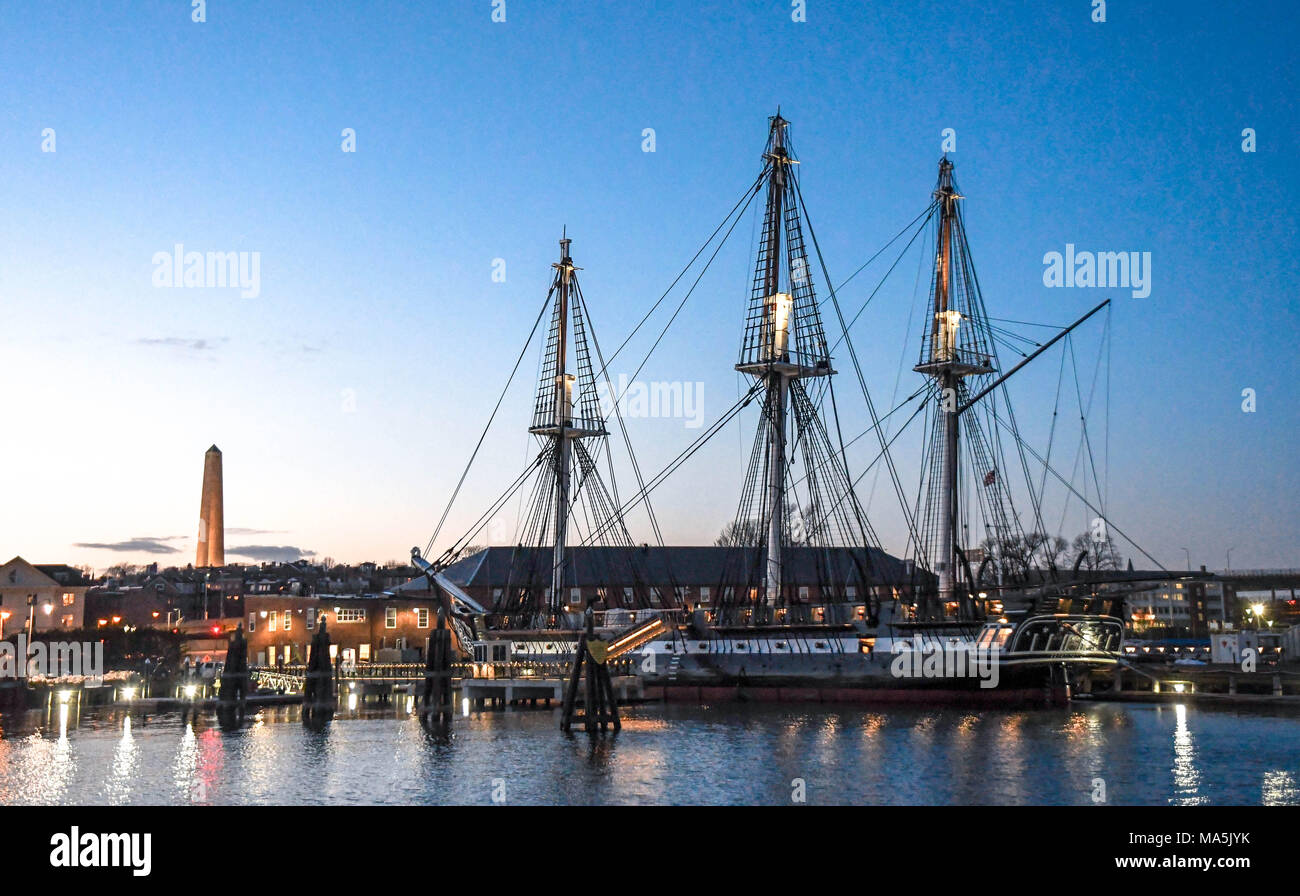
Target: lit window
349 614
288 621
422 617
311 619
69 599
252 622
363 653
390 617
67 620
704 594
271 625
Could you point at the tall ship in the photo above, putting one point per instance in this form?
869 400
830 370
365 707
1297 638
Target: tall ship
802 601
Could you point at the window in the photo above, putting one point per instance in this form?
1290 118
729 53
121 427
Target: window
363 653
803 592
69 599
349 614
390 617
67 620
288 621
851 592
271 623
575 596
422 617
704 594
252 622
311 619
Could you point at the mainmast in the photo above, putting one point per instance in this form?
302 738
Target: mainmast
945 361
778 348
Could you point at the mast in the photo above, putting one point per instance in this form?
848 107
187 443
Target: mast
783 342
948 359
945 347
563 426
559 424
777 384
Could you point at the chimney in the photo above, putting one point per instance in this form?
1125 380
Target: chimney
212 525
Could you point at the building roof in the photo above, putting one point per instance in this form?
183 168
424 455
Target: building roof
589 566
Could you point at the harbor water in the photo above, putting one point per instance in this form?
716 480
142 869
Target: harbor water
1087 753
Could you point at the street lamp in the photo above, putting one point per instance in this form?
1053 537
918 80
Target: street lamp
1229 558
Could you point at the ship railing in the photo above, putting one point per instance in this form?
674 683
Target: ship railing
544 669
1069 636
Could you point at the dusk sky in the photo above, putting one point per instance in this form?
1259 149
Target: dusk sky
347 394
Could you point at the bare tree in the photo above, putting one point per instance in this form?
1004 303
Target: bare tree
1101 553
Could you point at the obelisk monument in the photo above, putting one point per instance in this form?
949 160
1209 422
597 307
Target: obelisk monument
212 532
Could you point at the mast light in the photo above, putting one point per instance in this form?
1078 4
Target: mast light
780 305
947 331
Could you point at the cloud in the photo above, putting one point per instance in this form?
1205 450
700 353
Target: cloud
196 345
139 545
283 552
237 531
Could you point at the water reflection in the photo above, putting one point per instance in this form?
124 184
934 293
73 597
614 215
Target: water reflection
1187 776
664 754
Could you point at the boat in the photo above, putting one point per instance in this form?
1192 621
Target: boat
928 629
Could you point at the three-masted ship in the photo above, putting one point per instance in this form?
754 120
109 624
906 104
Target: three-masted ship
806 604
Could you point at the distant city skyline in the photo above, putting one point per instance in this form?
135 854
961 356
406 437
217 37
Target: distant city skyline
376 195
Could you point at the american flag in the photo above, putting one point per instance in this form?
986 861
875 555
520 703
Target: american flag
990 477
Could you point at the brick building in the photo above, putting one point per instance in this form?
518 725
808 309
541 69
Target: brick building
362 628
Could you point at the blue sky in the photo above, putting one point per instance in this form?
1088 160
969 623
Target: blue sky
479 140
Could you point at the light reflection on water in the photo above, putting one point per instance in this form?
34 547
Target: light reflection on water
1147 754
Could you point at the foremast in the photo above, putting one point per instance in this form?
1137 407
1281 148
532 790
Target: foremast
554 420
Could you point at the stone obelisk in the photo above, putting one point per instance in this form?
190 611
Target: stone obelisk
212 532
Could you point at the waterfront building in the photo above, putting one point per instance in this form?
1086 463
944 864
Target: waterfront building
48 597
387 628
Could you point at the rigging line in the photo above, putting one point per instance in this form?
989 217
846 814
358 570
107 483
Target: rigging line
690 450
853 355
742 203
495 409
898 407
834 296
884 450
925 213
1083 422
622 427
478 524
902 360
1023 323
1051 435
1061 478
682 303
1035 500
